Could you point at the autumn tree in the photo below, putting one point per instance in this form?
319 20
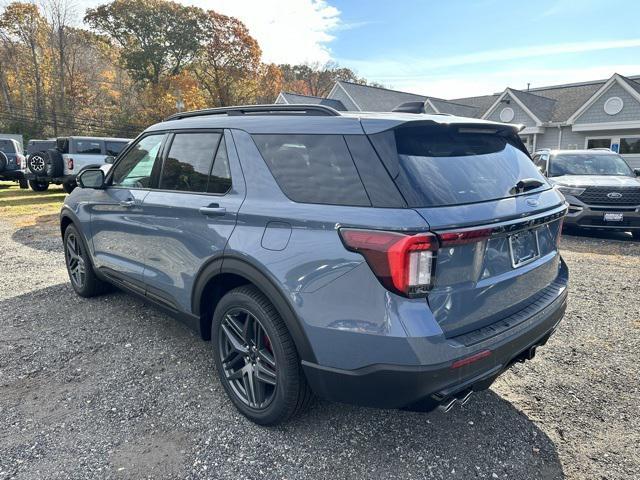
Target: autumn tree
229 64
156 37
316 79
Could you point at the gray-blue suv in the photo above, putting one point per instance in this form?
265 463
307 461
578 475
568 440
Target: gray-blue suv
393 260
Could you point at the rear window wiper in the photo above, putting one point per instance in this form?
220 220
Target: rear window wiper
525 185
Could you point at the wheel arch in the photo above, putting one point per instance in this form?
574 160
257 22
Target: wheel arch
221 275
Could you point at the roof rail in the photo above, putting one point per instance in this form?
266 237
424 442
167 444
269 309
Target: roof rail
273 109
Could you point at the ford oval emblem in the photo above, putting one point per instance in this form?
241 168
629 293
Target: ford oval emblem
532 202
614 195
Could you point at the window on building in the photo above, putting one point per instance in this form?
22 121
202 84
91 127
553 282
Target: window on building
630 145
599 143
189 162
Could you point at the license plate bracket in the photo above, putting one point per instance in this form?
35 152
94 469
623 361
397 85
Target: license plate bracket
524 247
613 217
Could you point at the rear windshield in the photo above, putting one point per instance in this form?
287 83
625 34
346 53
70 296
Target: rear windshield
6 146
440 166
588 164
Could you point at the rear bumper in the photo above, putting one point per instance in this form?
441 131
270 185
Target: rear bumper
591 216
397 386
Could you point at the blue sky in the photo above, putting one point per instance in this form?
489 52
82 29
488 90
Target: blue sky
446 48
457 48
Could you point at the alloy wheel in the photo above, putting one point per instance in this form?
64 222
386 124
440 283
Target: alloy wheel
37 164
247 357
75 262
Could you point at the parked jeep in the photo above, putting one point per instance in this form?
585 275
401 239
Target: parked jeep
60 160
11 159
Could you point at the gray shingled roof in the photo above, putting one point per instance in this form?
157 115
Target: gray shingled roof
541 107
446 106
377 99
550 104
296 98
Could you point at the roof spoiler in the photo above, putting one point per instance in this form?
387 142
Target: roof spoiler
410 107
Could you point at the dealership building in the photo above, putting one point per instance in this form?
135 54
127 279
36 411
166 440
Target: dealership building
595 114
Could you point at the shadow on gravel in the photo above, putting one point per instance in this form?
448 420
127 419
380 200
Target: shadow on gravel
43 235
599 234
132 393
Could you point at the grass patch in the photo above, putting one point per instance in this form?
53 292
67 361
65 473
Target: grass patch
26 207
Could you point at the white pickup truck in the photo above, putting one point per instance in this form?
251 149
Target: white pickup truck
67 158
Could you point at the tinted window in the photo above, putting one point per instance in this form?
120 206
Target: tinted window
134 169
189 162
599 143
114 148
630 145
313 168
6 146
455 165
89 147
220 179
588 164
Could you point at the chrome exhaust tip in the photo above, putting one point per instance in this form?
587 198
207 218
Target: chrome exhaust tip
448 404
465 398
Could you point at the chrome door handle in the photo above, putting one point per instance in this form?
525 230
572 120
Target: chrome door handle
128 203
213 210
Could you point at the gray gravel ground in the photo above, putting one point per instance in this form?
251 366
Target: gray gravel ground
112 388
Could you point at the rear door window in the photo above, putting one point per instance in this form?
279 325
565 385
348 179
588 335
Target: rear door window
89 147
441 166
189 162
313 168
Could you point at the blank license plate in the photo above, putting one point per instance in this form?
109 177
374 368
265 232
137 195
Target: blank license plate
613 217
524 247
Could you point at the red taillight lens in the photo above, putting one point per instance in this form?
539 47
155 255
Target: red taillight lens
20 162
462 237
70 163
403 263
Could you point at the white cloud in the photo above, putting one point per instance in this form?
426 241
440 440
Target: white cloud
462 85
402 69
288 31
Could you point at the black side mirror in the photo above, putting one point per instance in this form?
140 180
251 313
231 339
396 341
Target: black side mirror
109 159
637 172
91 178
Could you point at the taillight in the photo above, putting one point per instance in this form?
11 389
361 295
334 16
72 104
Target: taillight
403 263
70 163
20 163
463 237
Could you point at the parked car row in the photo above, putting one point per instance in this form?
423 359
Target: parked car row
56 161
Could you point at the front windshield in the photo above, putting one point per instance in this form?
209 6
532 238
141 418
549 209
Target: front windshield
588 164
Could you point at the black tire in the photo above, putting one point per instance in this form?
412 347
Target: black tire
38 185
24 184
79 267
37 163
269 404
69 186
54 163
3 161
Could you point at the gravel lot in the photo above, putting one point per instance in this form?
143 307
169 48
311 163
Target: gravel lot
112 388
